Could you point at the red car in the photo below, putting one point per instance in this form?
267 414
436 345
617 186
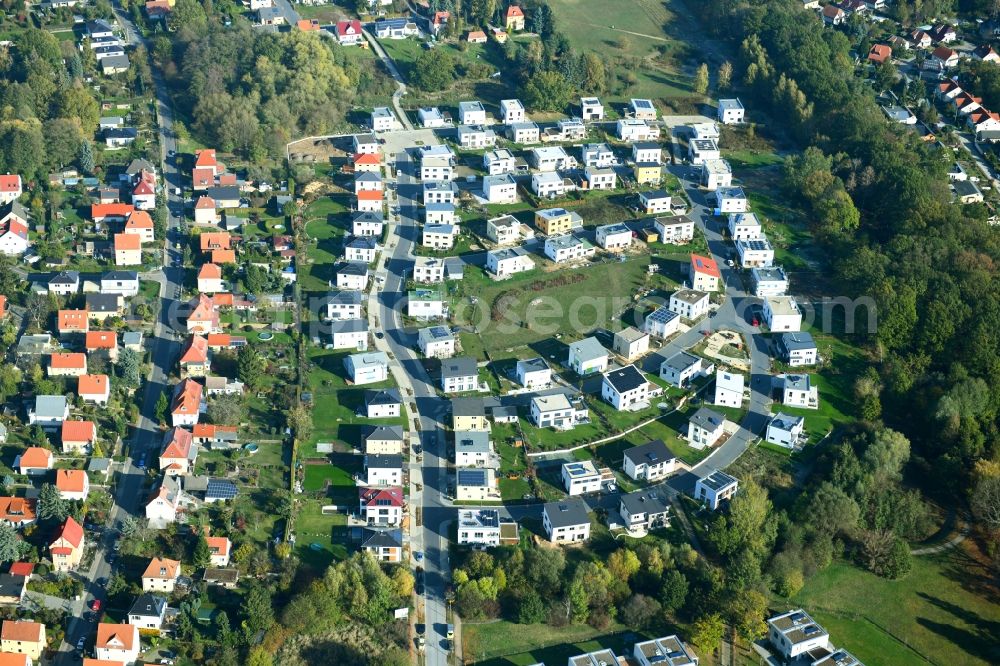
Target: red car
95 605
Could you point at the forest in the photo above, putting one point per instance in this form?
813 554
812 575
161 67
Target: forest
880 205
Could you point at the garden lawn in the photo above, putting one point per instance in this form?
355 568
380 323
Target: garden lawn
938 609
329 532
317 477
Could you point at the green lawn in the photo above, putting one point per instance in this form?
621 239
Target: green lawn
318 476
329 532
539 305
940 610
509 644
335 416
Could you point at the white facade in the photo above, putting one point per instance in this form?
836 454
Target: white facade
567 248
436 342
716 174
633 129
439 236
785 430
579 478
498 162
689 303
745 226
508 261
731 200
479 527
534 373
702 150
614 236
367 368
500 189
471 113
781 313
794 633
675 229
382 119
728 388
591 108
771 281
431 117
548 184
661 323
503 230
551 158
755 253
437 163
597 155
731 111
476 136
511 111
600 179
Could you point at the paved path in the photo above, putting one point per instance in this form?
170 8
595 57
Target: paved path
394 72
963 531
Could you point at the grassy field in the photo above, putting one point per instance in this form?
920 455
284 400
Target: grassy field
326 224
637 36
940 610
327 532
575 302
509 644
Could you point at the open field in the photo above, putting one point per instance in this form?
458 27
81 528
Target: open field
508 644
608 288
942 610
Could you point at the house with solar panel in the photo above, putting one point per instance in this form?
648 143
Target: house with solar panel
665 651
580 478
476 485
795 633
381 506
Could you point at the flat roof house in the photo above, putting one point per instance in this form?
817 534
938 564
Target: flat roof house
769 281
587 356
479 527
436 342
781 313
785 430
474 484
533 373
715 488
662 322
558 411
579 478
731 111
728 388
630 343
665 651
794 633
367 367
566 521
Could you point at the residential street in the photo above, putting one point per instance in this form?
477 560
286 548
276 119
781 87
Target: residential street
163 349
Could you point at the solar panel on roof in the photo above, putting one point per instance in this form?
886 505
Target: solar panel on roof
221 489
470 477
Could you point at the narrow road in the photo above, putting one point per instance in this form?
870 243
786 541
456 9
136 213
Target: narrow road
130 493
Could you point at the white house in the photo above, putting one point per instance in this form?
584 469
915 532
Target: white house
428 270
524 133
781 313
597 155
662 322
716 174
715 488
511 111
550 158
731 200
591 108
643 109
471 113
383 470
381 506
745 226
647 152
665 651
501 189
728 388
705 131
677 229
549 184
579 478
770 281
437 163
534 373
437 192
633 129
600 179
651 461
681 368
382 119
367 223
476 136
690 303
474 449
505 262
367 367
755 253
498 162
479 527
383 403
459 374
566 521
431 117
798 391
705 428
643 510
349 334
425 304
440 213
785 430
557 411
567 247
731 111
503 230
797 349
701 150
630 343
625 389
654 202
436 342
476 484
439 236
352 275
117 643
361 248
344 304
795 633
614 236
587 356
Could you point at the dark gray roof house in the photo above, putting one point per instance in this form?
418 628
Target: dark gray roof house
625 379
460 366
566 513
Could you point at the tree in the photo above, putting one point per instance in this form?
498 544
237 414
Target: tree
748 612
10 381
885 76
299 419
640 611
11 546
403 580
434 69
595 74
725 76
986 502
202 555
674 590
116 585
128 367
700 82
258 611
258 656
707 633
531 609
51 505
830 508
256 279
547 91
226 410
162 405
747 526
250 366
623 564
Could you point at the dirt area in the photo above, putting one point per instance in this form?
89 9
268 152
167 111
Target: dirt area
319 149
719 344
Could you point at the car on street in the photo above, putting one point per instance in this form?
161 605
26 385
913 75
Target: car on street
418 555
95 605
80 643
379 335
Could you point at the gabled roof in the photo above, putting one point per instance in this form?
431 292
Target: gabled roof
381 496
650 453
218 545
22 631
92 385
139 219
195 350
101 340
117 636
128 242
625 379
943 53
177 444
71 531
10 183
71 481
17 509
78 431
205 158
64 361
100 211
35 457
705 265
210 271
162 568
187 397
